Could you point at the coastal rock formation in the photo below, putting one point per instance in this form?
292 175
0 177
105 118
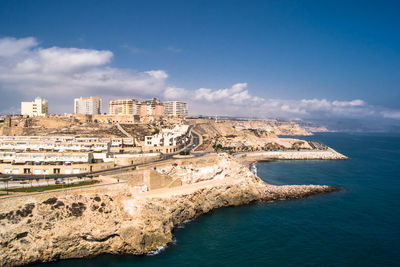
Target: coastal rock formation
75 224
328 154
279 128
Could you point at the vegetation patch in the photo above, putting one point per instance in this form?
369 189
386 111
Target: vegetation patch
27 210
51 187
77 209
58 204
50 201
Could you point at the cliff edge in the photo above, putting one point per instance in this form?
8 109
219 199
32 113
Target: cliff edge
129 218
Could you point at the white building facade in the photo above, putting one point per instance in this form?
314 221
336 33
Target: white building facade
87 105
175 108
39 107
168 140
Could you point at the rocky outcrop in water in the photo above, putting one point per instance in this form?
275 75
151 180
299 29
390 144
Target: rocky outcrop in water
49 227
328 154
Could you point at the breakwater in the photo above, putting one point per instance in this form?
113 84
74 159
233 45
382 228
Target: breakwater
328 154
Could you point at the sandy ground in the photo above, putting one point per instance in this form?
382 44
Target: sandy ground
186 188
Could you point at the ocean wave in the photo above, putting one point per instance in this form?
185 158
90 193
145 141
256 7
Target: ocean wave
161 248
157 251
182 225
253 168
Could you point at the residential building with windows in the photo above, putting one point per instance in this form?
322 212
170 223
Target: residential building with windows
123 107
152 107
38 107
168 140
87 105
176 108
54 154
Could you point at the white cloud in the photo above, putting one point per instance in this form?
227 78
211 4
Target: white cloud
52 72
237 94
60 74
353 103
9 47
173 93
237 101
391 114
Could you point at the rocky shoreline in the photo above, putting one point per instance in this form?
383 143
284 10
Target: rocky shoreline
80 224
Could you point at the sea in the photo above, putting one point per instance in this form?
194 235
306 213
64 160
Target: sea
358 226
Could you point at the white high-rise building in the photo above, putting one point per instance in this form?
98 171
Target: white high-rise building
39 107
175 108
87 105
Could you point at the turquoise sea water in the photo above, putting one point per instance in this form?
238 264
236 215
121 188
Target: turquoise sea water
359 226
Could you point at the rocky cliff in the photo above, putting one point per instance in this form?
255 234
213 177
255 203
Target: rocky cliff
271 126
74 224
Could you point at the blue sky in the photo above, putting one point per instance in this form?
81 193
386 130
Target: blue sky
283 51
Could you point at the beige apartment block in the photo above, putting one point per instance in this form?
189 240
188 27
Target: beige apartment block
123 107
38 107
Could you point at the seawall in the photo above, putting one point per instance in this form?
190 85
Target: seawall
328 154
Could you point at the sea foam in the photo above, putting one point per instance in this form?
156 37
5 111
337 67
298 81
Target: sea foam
161 248
253 168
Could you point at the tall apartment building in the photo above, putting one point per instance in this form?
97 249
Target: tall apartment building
87 105
175 108
39 107
123 106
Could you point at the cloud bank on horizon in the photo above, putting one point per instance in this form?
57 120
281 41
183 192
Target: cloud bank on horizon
61 74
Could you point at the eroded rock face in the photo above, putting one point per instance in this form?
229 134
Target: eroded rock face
49 228
205 169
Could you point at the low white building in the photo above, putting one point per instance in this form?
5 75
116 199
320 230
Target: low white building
54 144
168 140
38 107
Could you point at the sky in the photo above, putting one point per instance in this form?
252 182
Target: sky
335 63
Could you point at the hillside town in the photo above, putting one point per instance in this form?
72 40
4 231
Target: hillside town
42 145
138 153
26 152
